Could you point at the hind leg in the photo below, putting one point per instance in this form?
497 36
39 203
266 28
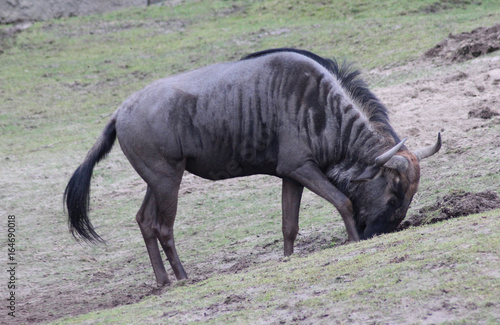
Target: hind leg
290 205
145 218
163 176
166 190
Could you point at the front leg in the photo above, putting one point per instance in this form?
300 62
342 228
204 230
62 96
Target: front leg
290 205
310 176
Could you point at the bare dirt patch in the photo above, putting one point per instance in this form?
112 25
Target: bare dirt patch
467 45
454 205
21 11
485 113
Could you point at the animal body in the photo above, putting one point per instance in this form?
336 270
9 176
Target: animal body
282 112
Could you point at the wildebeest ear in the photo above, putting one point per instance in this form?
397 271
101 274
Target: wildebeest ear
397 162
367 175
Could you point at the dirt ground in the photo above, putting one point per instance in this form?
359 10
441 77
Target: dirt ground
451 103
467 45
453 205
23 11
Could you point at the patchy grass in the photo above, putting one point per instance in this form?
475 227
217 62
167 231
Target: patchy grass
60 81
419 275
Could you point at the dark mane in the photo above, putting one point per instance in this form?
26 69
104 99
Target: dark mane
350 80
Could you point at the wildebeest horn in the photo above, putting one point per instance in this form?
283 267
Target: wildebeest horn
387 159
430 150
386 156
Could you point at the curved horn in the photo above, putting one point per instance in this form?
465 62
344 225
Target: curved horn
430 150
386 156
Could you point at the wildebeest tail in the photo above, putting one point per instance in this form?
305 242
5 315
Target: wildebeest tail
77 193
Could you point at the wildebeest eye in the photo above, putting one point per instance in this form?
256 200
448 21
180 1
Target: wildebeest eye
392 202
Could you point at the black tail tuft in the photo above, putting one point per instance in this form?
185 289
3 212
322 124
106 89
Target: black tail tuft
77 193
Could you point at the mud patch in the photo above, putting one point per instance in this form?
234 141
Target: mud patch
467 45
315 240
231 299
485 113
241 265
454 205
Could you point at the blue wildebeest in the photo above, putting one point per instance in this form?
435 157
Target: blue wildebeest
282 112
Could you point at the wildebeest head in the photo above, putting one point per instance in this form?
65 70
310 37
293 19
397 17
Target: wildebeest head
382 194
